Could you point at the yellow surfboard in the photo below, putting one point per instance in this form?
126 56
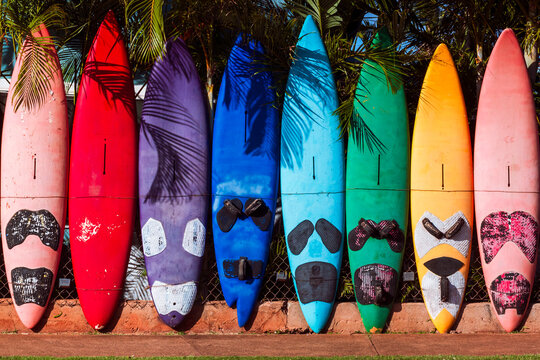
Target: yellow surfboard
442 191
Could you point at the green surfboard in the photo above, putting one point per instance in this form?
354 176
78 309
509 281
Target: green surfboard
377 190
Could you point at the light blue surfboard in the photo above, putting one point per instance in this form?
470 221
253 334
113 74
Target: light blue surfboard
312 178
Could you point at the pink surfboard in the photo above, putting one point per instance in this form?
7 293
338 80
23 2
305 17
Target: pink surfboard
507 182
33 194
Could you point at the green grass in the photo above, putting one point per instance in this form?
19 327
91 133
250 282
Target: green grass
436 357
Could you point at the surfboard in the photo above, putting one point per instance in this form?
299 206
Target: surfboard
442 191
377 190
34 158
506 182
173 182
102 189
312 178
244 175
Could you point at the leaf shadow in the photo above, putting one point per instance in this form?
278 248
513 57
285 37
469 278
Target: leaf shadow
170 126
308 79
361 133
249 85
113 80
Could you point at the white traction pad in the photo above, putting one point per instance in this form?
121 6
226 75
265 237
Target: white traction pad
194 237
168 298
153 237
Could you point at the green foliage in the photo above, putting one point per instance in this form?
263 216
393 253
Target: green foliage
83 20
148 39
469 27
324 12
38 67
346 288
22 21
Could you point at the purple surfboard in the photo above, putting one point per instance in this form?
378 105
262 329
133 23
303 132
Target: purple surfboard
173 182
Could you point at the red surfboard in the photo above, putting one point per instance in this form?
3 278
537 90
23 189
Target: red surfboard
102 181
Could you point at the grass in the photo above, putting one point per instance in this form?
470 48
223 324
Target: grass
434 357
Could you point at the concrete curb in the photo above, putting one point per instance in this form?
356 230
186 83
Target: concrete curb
140 317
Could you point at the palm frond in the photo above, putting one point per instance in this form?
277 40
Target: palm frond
348 58
148 41
71 58
38 67
21 25
324 12
39 62
83 20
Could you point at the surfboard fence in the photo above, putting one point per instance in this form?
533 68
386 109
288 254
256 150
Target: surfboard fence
278 285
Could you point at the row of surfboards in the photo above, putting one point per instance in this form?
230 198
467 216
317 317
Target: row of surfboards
173 180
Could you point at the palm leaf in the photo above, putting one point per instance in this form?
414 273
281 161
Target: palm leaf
37 69
39 64
136 286
83 20
348 57
324 12
148 42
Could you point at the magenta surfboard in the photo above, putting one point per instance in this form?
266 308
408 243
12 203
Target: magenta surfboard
507 182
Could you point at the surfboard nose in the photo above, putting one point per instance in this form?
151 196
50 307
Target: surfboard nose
246 302
172 319
316 314
243 314
99 306
510 323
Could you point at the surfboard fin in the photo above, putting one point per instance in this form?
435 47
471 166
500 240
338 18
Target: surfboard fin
259 213
227 215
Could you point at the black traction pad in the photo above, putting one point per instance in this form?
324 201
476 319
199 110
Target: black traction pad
227 215
510 290
299 236
432 229
454 229
254 269
385 230
375 284
31 285
443 266
316 281
259 213
41 223
330 235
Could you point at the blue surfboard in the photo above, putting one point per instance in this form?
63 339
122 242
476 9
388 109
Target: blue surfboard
312 178
244 175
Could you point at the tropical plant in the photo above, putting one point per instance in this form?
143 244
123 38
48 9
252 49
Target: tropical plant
83 19
22 19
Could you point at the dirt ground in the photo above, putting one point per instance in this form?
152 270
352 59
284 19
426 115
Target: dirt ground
63 345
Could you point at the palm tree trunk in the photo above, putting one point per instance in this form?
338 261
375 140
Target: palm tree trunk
530 53
209 84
